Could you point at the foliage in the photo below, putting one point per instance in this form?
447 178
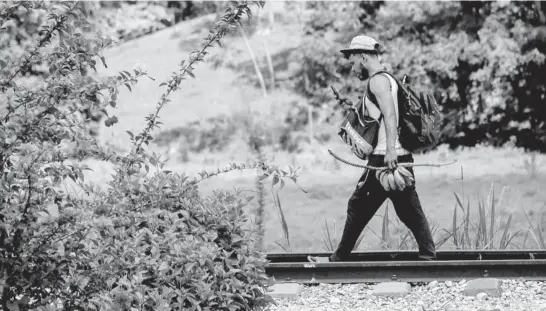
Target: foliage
318 57
484 230
209 135
403 239
536 232
22 21
123 20
480 81
330 242
128 20
145 241
184 10
215 134
483 60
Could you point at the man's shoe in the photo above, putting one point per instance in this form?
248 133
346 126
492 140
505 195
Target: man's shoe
318 259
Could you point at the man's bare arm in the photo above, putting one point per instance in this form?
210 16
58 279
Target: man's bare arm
380 87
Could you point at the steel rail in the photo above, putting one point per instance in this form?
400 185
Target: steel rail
373 267
413 255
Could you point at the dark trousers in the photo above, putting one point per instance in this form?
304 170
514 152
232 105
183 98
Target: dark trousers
368 197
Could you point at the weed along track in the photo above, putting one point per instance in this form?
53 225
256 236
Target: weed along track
403 266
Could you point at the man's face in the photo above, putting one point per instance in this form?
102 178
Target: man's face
358 66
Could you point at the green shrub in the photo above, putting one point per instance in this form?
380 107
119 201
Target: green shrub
166 245
147 240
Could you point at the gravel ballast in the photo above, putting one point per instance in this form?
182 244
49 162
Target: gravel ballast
442 296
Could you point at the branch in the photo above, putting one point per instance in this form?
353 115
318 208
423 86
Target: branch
254 62
177 79
384 167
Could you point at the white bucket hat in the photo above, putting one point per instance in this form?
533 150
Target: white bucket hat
361 42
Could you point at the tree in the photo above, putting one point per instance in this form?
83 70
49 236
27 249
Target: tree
482 60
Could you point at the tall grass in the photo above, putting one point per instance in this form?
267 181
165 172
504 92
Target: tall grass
535 232
331 242
477 224
485 232
486 229
403 238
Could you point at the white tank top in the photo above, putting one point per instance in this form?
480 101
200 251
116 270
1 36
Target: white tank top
374 112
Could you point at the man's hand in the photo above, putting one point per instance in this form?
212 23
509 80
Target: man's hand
343 101
391 159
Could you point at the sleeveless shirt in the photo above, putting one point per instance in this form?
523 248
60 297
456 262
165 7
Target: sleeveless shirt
375 112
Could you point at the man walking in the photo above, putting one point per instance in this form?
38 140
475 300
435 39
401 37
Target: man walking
369 195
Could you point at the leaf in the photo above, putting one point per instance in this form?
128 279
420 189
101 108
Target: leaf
163 266
459 202
53 210
80 176
505 233
275 180
296 183
283 219
385 234
3 64
262 177
454 230
12 306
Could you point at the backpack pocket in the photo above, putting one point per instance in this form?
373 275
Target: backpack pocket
360 133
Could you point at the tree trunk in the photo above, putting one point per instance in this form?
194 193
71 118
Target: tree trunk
256 67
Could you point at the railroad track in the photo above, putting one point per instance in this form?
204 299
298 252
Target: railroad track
382 266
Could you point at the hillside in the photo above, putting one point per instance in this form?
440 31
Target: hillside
221 91
213 92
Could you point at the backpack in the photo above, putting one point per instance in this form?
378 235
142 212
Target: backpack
359 131
418 126
419 118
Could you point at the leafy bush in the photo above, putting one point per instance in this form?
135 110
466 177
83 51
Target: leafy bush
123 20
171 247
484 83
146 240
